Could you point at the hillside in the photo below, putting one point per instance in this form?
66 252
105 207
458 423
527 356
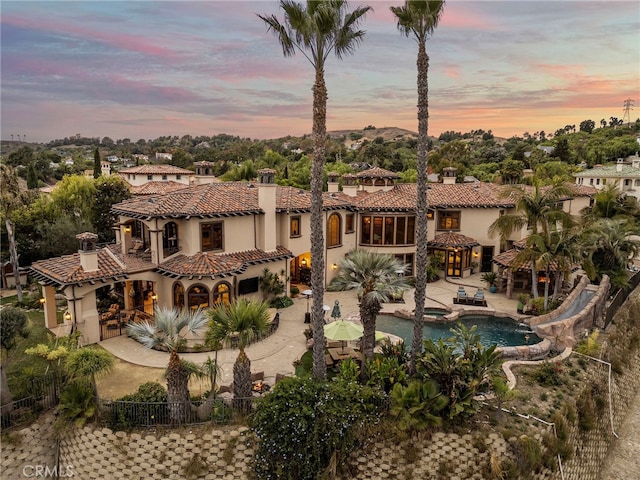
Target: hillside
387 133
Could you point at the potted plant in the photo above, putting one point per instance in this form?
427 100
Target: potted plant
490 279
295 291
474 267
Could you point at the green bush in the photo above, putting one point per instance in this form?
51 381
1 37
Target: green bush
303 422
147 406
281 302
548 374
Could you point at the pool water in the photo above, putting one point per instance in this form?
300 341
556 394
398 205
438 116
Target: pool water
436 312
492 330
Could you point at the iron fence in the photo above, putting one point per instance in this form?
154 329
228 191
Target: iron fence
221 411
44 394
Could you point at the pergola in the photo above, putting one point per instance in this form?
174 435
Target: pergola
457 250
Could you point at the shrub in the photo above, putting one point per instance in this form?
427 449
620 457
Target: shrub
294 291
548 374
147 406
302 422
281 302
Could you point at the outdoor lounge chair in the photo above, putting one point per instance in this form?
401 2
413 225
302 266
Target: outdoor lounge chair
478 298
462 297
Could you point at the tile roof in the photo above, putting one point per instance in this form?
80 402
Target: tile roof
402 197
609 171
151 169
219 264
508 259
154 188
66 270
452 239
377 172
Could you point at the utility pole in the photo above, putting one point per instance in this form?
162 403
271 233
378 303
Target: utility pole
628 106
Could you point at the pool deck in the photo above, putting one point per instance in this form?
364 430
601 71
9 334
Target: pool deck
276 354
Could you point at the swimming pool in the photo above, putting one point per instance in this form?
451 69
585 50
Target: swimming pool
492 330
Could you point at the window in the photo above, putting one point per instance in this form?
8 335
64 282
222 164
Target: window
149 177
170 239
449 221
333 231
294 227
164 177
221 293
388 230
198 297
211 236
349 220
178 177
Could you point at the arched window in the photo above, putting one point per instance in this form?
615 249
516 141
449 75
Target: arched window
334 234
222 293
178 296
198 297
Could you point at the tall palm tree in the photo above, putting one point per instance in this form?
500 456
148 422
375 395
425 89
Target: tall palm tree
239 322
537 209
376 279
610 202
315 30
419 19
168 332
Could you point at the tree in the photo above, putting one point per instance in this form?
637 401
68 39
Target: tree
316 30
561 150
168 332
419 19
610 202
13 323
11 200
587 126
109 191
238 323
376 279
537 209
97 166
89 363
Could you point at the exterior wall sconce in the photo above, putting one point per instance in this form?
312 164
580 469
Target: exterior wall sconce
67 317
154 297
303 262
42 300
334 266
127 229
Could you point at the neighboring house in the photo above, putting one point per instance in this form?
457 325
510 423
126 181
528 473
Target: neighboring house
625 176
138 176
112 158
163 156
206 244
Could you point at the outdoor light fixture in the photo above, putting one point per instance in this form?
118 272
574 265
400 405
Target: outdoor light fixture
127 229
42 301
334 266
67 317
303 262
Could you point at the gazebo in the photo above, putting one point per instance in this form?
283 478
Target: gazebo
457 250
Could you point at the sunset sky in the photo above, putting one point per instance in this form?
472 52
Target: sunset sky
144 69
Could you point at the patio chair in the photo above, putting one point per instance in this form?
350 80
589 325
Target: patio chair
462 297
478 298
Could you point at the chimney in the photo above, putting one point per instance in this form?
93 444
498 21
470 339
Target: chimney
449 175
332 182
350 184
88 252
619 165
267 190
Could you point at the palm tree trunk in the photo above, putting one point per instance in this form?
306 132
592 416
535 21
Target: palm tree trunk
317 236
242 382
534 280
13 254
368 314
421 206
177 389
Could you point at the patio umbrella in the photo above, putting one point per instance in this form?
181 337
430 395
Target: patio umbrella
380 336
343 330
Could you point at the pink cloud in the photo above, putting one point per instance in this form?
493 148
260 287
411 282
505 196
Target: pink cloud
119 40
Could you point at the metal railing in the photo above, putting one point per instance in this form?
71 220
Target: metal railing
44 395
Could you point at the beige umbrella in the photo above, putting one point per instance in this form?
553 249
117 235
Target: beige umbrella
343 330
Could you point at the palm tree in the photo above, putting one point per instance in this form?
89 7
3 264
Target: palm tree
316 30
609 245
419 19
376 279
239 322
168 332
11 198
537 209
90 363
610 202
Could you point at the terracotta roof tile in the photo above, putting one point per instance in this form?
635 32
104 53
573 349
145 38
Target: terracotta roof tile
219 264
156 170
154 188
66 270
452 239
377 172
